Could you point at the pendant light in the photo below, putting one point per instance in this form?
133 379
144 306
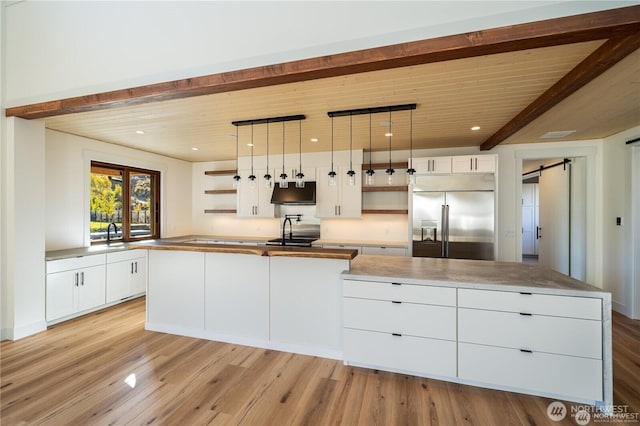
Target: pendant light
236 178
351 173
252 177
300 175
411 172
283 176
390 170
332 173
267 176
370 171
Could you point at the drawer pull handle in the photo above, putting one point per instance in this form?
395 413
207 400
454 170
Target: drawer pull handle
396 283
526 351
396 301
396 334
525 314
525 293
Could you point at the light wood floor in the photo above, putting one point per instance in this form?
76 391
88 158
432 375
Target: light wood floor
74 373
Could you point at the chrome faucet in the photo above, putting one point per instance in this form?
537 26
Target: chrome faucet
115 231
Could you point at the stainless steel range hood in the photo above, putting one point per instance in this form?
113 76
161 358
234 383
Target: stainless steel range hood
293 195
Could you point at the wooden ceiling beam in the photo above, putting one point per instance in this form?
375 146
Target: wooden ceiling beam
603 58
566 30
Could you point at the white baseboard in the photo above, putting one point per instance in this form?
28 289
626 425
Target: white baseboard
23 331
620 308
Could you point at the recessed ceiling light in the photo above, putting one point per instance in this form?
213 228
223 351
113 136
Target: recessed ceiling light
140 132
386 123
388 134
249 144
557 134
195 149
314 140
231 136
474 128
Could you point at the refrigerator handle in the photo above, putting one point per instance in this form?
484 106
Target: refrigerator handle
446 252
443 232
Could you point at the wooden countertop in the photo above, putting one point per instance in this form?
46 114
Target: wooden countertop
261 250
480 274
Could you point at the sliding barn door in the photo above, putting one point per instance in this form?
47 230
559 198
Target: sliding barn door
553 243
530 219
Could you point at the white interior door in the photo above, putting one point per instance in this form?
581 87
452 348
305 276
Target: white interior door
553 249
529 219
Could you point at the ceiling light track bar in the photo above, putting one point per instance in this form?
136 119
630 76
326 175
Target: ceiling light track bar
372 110
269 120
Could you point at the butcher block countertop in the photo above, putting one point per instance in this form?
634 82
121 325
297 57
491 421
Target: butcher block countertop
480 274
261 250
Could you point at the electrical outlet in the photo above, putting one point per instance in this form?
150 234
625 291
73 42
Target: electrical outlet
619 221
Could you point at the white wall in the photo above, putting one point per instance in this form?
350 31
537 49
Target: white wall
617 202
90 47
23 217
68 160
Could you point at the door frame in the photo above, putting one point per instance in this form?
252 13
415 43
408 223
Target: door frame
635 232
593 200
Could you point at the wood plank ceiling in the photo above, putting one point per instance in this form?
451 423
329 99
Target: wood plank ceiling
544 79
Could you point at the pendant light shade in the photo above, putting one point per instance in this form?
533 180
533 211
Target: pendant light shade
370 172
300 175
236 178
267 176
283 176
390 171
351 173
332 173
252 177
411 172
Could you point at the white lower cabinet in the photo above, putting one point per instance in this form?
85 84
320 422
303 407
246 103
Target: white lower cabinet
386 351
74 285
531 342
383 330
237 295
550 345
175 301
566 376
126 274
305 306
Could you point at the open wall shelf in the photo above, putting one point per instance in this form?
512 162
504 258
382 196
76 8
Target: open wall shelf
388 188
220 172
385 211
234 211
385 166
220 191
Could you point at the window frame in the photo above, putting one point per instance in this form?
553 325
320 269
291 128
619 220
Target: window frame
126 200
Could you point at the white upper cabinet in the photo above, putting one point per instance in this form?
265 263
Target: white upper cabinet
473 164
342 200
432 165
254 200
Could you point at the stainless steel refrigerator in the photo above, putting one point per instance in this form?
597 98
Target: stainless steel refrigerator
453 216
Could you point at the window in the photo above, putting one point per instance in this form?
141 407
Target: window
127 197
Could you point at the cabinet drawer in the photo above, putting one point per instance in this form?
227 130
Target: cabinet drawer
412 319
75 263
539 333
384 251
544 304
428 357
123 255
400 292
540 372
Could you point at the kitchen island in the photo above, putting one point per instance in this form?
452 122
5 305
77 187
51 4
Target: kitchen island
509 326
277 297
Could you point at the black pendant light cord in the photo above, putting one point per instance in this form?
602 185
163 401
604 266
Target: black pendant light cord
411 170
237 176
300 175
283 176
267 175
252 176
351 142
390 170
332 173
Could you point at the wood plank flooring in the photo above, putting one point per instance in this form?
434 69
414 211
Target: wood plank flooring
74 374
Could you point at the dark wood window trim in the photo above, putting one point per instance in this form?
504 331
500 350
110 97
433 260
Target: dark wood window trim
126 210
